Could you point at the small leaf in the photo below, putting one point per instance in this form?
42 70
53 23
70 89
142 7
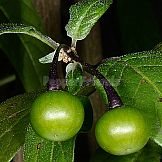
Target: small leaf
39 149
28 30
83 16
47 59
74 77
14 120
137 79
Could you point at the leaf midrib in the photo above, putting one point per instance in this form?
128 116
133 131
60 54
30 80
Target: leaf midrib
82 17
9 129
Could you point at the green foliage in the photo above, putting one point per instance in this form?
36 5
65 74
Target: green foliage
158 136
28 30
48 58
137 78
27 52
39 149
83 16
74 78
14 120
150 153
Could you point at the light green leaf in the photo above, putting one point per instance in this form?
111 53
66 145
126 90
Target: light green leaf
39 149
137 79
14 120
28 30
47 59
83 16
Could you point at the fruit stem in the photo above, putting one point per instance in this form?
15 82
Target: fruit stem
54 82
113 97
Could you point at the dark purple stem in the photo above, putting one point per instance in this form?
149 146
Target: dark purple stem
114 98
54 82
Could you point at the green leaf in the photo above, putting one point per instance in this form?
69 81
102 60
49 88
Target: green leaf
47 59
158 137
83 16
28 30
74 77
22 50
78 83
39 149
14 120
101 156
137 79
150 153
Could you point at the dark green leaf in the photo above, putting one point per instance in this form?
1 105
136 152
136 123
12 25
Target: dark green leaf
28 30
14 120
102 156
86 90
150 153
83 16
137 79
39 149
24 51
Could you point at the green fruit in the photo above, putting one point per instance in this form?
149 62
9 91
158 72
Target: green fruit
122 131
57 115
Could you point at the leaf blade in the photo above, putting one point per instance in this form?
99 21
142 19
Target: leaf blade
134 76
24 50
83 15
39 149
14 120
9 28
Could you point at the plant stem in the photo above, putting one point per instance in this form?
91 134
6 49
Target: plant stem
54 81
113 97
